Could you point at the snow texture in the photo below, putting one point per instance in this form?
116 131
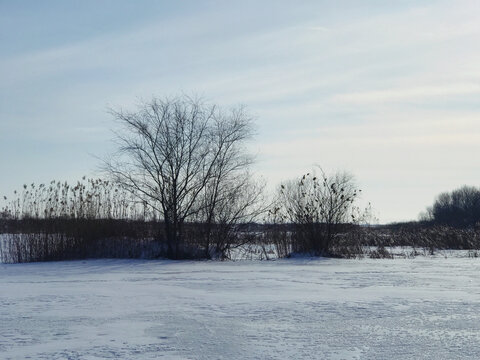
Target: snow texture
422 308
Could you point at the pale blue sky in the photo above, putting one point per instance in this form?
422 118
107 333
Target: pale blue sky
386 90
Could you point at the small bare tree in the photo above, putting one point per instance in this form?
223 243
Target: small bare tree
319 207
228 210
178 156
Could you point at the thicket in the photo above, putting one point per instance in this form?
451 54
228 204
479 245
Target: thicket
59 221
425 235
98 219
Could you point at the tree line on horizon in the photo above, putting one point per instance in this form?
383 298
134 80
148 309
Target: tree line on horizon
180 186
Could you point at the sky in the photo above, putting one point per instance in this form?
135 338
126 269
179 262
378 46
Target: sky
388 91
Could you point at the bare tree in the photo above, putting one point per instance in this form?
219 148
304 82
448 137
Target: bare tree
318 207
231 197
178 155
227 212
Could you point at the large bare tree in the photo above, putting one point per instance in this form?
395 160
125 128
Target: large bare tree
180 156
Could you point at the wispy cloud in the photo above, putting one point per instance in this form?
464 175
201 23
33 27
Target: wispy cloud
419 93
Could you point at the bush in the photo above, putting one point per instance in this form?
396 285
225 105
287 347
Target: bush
321 209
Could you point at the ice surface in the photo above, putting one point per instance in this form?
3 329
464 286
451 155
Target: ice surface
426 308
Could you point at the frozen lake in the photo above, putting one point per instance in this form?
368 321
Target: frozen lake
425 308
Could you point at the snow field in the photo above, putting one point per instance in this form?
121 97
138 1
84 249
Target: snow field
422 308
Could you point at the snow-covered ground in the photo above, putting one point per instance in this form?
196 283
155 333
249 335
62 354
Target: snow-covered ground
422 308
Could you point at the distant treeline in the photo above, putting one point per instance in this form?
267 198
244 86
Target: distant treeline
459 208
